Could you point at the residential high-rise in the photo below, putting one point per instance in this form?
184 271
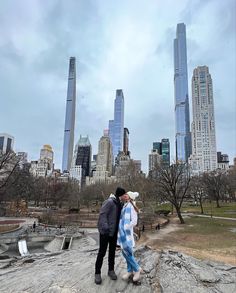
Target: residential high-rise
104 156
204 156
154 160
165 152
44 166
116 126
104 162
157 146
22 157
6 143
222 161
160 154
70 117
46 154
82 158
183 136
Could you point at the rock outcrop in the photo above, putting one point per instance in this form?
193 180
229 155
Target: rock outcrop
73 271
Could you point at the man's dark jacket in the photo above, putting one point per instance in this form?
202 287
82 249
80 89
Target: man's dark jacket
109 216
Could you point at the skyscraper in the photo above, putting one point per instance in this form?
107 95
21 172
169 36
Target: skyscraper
82 158
103 163
70 117
116 126
44 166
204 155
154 160
104 156
165 152
6 143
183 136
160 153
126 141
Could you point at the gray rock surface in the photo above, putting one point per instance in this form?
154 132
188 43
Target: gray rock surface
73 271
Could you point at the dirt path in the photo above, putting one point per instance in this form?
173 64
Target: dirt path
166 238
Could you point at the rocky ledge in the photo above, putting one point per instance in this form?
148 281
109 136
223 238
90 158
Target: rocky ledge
73 271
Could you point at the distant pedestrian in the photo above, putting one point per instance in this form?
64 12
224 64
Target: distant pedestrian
143 228
158 227
34 226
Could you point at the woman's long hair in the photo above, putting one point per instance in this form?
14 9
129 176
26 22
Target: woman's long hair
135 207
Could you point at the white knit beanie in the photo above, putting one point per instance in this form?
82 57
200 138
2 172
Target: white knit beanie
132 194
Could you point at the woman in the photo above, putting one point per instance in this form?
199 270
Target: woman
128 220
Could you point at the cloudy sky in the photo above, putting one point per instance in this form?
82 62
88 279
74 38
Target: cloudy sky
118 45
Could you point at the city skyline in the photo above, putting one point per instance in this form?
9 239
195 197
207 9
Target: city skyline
135 53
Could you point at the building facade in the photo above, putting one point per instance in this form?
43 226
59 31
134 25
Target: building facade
182 124
103 163
116 126
6 143
222 161
154 160
204 156
44 166
165 152
22 157
126 141
81 163
70 117
160 154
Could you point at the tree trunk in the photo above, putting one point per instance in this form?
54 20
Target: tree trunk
200 201
179 215
217 203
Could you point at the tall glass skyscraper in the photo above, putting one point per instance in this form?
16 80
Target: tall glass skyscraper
81 162
70 117
116 126
183 136
163 149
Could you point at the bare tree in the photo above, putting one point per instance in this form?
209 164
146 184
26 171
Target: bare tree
230 183
9 162
214 185
19 186
197 190
172 184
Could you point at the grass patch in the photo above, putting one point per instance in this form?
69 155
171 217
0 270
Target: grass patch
207 233
227 210
7 228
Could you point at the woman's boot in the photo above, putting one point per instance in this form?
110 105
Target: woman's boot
126 276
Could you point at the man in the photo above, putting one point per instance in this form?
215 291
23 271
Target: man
108 223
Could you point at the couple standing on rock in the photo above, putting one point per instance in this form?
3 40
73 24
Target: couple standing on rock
115 225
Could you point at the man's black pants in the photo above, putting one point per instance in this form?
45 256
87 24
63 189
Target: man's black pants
103 243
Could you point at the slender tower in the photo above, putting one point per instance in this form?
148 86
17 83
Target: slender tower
116 126
182 124
70 117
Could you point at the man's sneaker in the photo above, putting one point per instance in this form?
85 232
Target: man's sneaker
98 279
112 275
126 276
